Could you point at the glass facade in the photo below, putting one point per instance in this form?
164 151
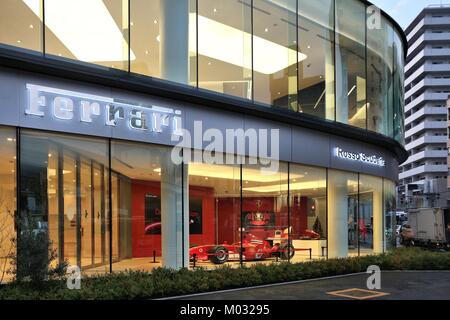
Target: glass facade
64 189
315 57
145 211
8 211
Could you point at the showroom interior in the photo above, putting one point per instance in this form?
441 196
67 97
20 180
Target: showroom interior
111 200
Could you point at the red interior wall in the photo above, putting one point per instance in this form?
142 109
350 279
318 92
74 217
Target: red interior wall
143 245
208 217
299 216
228 217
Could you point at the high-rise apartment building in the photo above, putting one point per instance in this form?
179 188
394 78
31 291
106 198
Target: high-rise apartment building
423 177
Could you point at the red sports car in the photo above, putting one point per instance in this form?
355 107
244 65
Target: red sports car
253 249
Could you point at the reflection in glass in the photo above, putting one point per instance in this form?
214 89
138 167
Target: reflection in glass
380 56
214 213
265 214
351 63
275 53
63 188
308 201
21 24
390 218
342 214
399 90
7 199
316 71
163 39
370 216
93 31
225 47
148 192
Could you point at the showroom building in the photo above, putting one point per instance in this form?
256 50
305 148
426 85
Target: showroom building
97 95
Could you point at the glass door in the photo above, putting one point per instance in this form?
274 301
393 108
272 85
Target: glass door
87 217
99 213
69 218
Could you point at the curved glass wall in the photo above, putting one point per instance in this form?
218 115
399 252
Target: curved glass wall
324 58
212 210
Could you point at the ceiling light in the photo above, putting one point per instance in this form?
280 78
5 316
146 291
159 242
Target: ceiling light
351 90
266 30
155 21
31 26
87 29
215 36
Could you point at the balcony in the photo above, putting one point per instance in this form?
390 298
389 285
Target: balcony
426 140
426 96
428 67
426 125
428 154
422 169
427 83
426 111
426 53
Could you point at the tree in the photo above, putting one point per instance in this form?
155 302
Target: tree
6 234
34 258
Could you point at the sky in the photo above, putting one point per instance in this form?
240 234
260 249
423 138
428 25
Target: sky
404 11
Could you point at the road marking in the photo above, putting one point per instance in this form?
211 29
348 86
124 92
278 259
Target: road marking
358 294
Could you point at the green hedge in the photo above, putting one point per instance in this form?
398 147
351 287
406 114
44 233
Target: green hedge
164 282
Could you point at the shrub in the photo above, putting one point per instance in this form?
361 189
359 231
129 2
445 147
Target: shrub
34 257
164 282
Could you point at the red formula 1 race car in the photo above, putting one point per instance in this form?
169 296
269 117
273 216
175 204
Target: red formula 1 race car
253 249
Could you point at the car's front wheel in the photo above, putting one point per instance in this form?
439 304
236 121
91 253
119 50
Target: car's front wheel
286 251
218 255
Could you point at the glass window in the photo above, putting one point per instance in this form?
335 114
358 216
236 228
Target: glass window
342 214
390 209
380 58
163 39
351 63
265 225
21 24
275 53
370 216
399 89
316 61
214 213
93 31
64 189
148 196
308 201
7 199
225 47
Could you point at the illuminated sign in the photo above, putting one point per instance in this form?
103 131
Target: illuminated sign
67 105
360 157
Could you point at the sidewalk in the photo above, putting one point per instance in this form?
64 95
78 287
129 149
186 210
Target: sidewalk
395 285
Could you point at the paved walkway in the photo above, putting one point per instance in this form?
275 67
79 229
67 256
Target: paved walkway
394 285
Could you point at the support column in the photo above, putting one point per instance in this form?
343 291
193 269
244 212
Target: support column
174 220
174 40
329 84
337 215
342 88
